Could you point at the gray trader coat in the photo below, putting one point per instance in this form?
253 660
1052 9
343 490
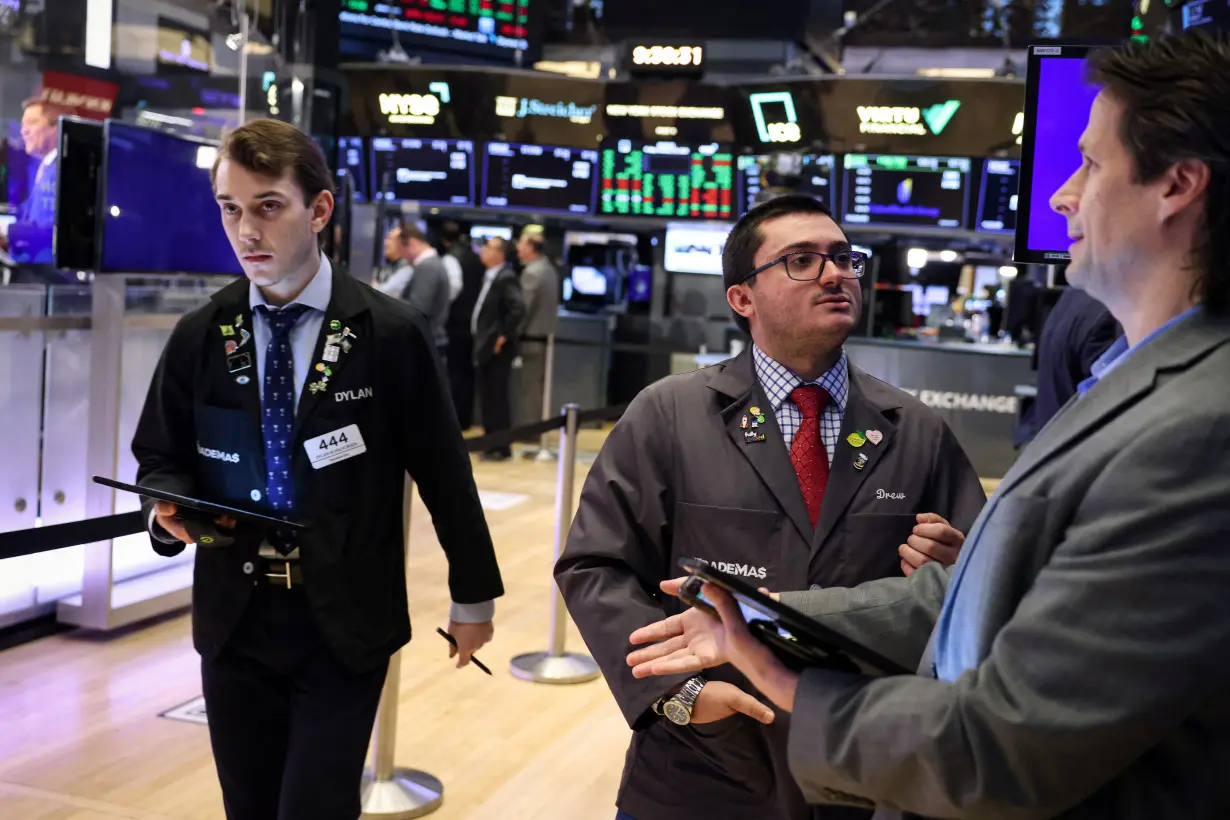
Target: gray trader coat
676 479
1103 685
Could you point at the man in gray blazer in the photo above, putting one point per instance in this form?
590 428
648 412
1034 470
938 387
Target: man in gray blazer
1076 661
540 286
787 465
428 289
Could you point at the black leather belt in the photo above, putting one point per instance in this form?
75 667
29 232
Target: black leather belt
281 573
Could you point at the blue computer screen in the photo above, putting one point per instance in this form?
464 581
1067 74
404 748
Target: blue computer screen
159 213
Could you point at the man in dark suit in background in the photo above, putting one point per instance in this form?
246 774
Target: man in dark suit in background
300 393
496 321
460 316
428 289
1078 330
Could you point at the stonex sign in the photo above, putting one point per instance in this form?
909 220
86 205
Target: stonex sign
907 120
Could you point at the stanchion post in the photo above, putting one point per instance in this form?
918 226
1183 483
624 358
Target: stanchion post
556 665
544 443
390 793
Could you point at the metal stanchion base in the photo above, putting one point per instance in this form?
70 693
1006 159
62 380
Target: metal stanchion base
408 794
543 667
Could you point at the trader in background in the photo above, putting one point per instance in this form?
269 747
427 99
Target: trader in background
1076 662
540 284
787 465
1077 331
428 288
29 239
301 393
456 245
497 316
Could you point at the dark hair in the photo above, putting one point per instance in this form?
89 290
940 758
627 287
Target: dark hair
450 233
270 147
1175 94
500 245
745 239
411 231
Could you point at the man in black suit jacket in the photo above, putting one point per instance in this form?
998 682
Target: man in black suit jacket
496 323
303 394
460 316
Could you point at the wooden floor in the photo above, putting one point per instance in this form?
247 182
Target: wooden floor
81 737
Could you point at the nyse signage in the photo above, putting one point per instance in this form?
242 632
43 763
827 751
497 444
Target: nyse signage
415 109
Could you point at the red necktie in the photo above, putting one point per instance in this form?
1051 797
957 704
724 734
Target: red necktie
807 452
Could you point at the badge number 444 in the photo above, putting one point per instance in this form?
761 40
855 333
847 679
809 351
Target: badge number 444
336 446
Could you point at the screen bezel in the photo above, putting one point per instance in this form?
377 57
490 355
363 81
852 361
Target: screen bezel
374 184
71 129
481 200
982 194
1022 254
903 226
104 173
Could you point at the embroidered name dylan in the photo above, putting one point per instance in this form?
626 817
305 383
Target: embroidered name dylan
351 395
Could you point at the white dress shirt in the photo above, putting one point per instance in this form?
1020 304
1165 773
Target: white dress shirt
482 296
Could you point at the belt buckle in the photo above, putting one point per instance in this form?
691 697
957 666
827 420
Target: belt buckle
286 575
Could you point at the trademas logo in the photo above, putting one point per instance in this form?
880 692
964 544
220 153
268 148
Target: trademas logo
895 119
231 458
746 570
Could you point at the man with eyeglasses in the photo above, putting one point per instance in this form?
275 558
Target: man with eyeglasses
786 465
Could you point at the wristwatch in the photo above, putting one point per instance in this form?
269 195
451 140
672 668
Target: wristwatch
678 709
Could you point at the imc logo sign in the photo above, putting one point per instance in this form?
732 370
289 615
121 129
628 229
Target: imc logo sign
896 119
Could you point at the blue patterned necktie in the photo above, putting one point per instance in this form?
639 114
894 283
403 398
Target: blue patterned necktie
278 407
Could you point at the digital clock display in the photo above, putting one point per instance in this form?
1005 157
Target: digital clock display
668 55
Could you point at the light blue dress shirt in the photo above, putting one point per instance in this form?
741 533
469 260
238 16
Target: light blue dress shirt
779 382
956 646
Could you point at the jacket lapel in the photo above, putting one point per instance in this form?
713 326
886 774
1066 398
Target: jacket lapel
865 412
767 455
233 341
1175 349
338 330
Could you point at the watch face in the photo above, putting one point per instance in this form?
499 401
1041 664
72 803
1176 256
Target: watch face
677 712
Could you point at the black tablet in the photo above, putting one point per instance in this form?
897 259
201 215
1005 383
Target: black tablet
799 641
202 506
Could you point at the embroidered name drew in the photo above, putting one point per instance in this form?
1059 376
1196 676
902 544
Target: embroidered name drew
881 494
232 458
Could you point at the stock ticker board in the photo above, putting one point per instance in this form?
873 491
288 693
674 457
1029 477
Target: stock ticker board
666 179
499 24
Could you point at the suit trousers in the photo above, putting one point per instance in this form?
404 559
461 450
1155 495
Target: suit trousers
288 723
494 376
461 377
530 385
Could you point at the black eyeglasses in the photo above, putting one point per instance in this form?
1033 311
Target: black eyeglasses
806 266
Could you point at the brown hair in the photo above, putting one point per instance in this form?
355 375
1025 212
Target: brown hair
1175 93
271 147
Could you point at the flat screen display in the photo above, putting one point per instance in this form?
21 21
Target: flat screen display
76 222
491 28
997 196
813 174
906 191
539 178
433 172
159 213
353 159
1057 103
695 249
667 179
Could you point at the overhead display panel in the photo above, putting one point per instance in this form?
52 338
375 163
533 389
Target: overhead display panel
431 172
539 178
906 191
997 196
493 29
667 179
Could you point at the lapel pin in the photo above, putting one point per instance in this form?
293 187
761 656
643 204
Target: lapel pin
755 411
743 423
244 336
750 436
228 330
856 440
231 347
875 437
242 380
316 387
333 339
335 325
239 320
331 353
860 461
345 346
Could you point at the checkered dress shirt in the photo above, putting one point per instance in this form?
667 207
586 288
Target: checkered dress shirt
778 383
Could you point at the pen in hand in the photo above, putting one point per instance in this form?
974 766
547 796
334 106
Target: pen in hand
453 641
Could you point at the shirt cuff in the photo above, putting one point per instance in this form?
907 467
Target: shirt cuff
479 613
156 530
